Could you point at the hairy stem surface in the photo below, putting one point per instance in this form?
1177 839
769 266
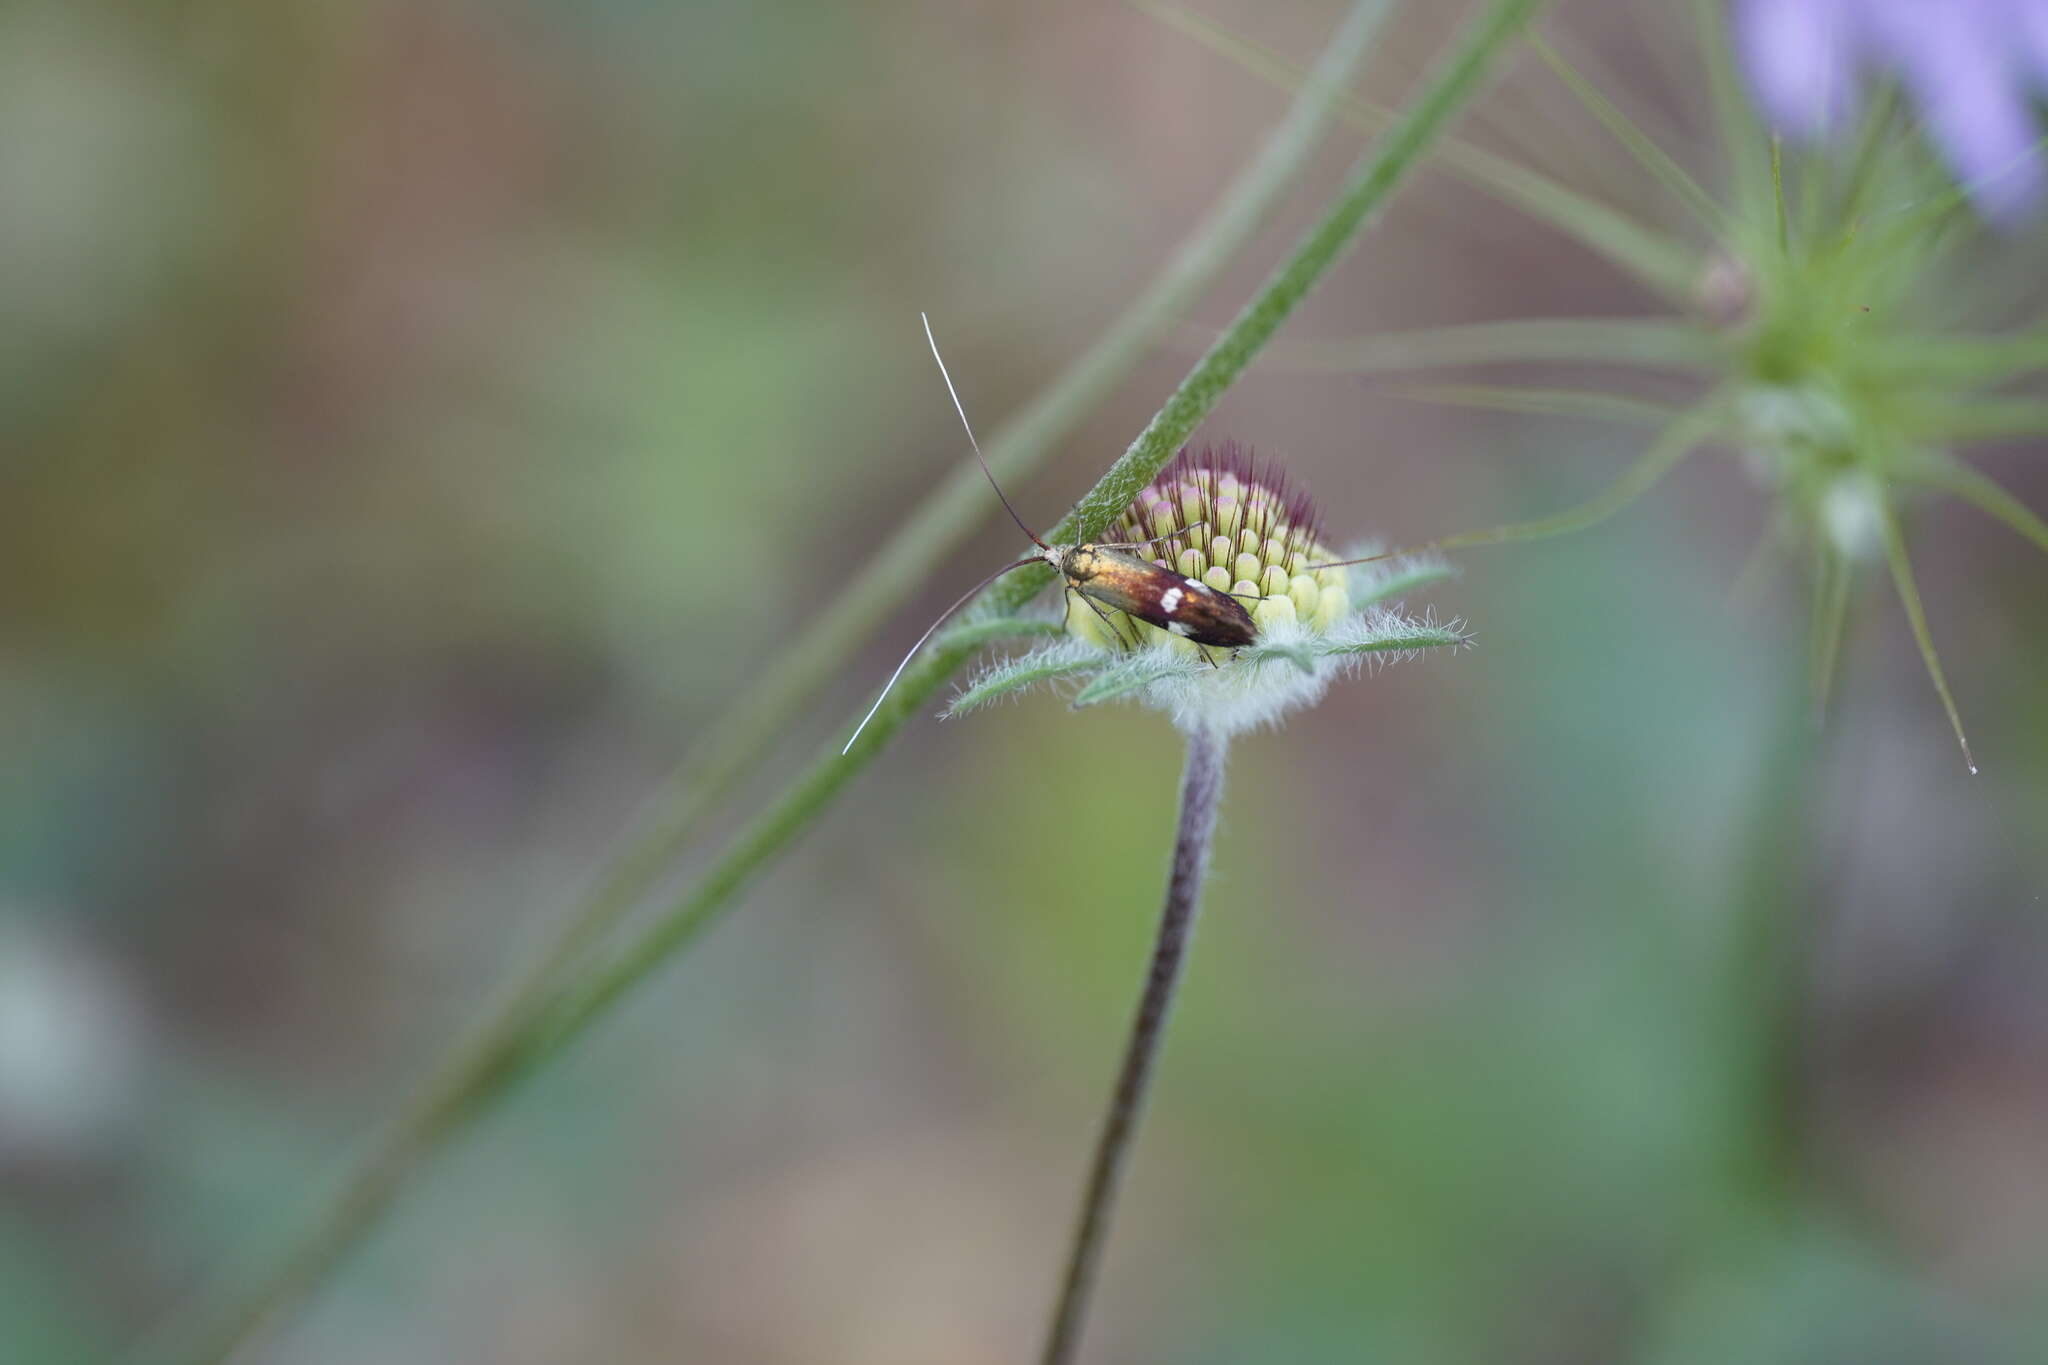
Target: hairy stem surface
1201 794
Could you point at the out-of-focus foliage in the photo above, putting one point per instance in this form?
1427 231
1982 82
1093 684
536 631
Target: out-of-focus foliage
417 421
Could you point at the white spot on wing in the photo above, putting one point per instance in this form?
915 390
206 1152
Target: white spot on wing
1180 628
1169 599
1197 584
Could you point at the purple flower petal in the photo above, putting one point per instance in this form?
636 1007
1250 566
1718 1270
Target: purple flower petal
2031 17
1973 68
1963 62
1801 56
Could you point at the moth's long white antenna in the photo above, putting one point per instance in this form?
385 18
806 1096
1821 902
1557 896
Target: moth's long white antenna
965 598
957 407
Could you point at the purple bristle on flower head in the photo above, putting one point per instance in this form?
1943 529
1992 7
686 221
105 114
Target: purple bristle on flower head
1229 488
1973 69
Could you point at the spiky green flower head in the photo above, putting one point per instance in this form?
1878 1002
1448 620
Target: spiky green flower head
1843 383
1220 518
1843 318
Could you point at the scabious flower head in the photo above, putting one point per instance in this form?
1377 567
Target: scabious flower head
1974 68
1220 518
1217 517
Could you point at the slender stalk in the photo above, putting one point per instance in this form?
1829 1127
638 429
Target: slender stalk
548 1016
1650 343
1679 439
1651 157
1973 486
1765 972
1983 359
1590 404
1201 793
1916 617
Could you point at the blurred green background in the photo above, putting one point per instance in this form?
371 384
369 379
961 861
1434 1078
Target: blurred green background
417 422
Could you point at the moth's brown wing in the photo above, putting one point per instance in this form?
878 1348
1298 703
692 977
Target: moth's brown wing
1186 607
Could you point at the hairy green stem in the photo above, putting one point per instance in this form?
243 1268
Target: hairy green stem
1201 795
544 1018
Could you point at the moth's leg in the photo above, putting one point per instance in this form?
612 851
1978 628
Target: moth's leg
1111 625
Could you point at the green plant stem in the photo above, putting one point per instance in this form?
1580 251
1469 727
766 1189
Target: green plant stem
1201 795
514 1040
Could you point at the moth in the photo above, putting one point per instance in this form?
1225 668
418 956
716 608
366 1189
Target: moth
1102 574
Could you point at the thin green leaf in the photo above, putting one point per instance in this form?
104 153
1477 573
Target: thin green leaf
1135 674
1984 360
1953 476
1647 153
1393 642
1658 261
1877 137
1677 440
1757 564
1916 616
1982 419
1587 403
1026 671
1830 614
1653 343
1915 215
1739 133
